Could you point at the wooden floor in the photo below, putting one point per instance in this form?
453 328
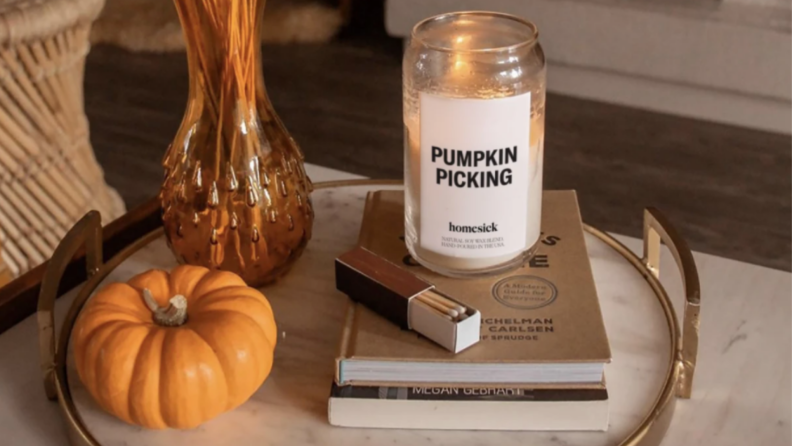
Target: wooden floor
728 189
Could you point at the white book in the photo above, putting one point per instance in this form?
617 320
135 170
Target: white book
466 408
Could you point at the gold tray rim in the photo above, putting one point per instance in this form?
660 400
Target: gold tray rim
650 432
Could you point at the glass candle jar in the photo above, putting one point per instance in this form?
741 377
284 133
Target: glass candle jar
474 100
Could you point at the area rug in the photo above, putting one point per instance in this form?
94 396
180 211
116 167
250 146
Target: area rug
153 25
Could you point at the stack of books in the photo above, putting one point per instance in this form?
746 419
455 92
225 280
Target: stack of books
539 364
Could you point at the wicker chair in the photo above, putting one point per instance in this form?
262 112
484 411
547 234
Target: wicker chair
5 273
49 177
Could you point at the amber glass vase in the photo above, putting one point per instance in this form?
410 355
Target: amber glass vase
235 195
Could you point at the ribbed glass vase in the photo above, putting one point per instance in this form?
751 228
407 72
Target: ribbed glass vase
235 195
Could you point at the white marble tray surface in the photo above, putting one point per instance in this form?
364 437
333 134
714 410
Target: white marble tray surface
741 393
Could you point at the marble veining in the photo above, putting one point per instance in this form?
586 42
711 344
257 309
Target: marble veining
291 407
741 392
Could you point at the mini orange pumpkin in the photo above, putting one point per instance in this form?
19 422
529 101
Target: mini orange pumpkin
174 350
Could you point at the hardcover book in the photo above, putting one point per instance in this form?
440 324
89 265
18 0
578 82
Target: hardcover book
541 324
499 408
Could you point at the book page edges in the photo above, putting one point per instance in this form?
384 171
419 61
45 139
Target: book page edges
555 386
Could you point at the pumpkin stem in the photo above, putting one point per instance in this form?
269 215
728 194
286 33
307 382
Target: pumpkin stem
173 315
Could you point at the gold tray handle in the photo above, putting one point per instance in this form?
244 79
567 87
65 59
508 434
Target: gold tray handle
658 229
86 232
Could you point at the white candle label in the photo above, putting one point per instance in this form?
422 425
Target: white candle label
475 168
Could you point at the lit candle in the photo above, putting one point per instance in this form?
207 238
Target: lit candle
474 129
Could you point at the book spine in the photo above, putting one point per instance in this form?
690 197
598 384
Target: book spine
467 393
345 344
372 202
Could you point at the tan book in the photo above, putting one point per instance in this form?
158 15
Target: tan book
541 324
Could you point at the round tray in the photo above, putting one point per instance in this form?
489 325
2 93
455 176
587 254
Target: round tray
652 362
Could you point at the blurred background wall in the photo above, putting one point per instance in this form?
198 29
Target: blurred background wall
725 61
